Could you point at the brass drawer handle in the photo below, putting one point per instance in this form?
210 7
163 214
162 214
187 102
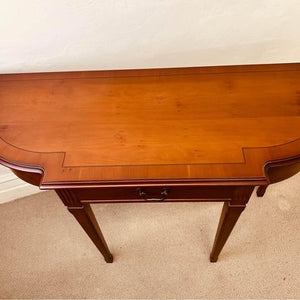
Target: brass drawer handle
164 193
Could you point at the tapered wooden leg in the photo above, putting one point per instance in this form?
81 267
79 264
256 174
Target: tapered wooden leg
86 218
230 213
261 190
88 222
229 217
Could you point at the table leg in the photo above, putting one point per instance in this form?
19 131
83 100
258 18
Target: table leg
88 222
230 213
261 190
86 218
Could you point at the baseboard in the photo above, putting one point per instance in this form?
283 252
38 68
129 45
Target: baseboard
11 187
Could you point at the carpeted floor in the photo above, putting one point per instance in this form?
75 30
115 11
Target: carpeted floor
160 250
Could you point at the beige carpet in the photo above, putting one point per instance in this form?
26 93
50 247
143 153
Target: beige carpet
160 250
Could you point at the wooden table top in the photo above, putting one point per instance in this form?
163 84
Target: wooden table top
207 124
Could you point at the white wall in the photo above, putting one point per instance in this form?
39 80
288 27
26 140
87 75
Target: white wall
11 187
48 35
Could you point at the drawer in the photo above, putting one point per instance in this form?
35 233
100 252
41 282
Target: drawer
154 194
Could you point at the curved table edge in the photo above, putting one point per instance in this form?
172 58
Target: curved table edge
34 168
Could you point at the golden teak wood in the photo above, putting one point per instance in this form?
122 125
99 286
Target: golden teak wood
185 134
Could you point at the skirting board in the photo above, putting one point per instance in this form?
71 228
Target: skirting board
11 187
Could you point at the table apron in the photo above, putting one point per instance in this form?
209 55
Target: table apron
155 194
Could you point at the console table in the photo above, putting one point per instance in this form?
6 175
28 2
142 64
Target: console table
157 135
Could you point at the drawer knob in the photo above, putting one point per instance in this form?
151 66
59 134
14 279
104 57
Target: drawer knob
164 193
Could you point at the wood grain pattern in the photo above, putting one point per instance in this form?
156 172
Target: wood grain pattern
187 134
203 124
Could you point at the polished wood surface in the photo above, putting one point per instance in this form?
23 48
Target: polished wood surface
196 124
161 135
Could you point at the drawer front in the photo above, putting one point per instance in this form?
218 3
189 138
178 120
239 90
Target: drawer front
155 194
